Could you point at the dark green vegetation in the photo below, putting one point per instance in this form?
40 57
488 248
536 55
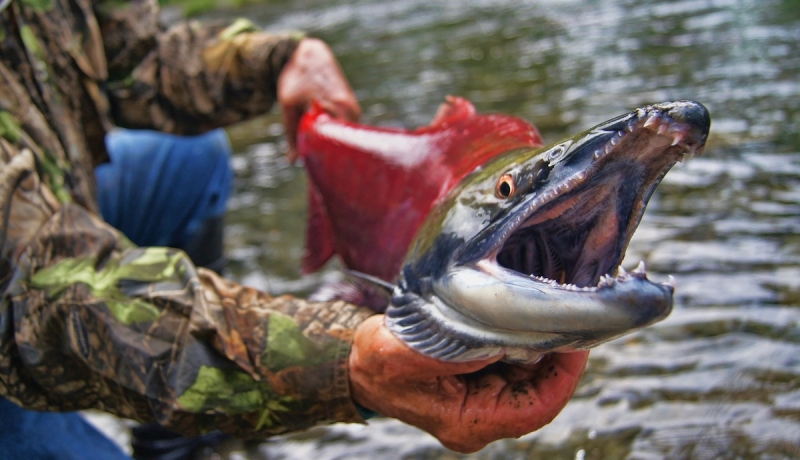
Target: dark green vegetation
197 7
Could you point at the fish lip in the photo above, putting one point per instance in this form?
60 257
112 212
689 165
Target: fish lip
685 123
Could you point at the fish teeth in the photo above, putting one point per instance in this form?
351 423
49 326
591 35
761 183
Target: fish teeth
651 121
621 273
567 286
670 284
640 271
678 139
544 280
606 281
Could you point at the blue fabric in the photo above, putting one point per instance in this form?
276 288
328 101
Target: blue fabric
158 189
31 435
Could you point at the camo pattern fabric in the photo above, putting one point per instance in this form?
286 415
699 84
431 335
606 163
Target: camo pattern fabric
87 319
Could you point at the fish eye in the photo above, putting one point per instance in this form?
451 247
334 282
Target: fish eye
505 187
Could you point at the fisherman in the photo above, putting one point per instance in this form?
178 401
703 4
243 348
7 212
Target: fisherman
89 320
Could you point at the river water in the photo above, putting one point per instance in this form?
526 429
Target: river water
720 378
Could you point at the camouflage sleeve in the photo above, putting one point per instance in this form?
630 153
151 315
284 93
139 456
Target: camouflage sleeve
87 320
191 77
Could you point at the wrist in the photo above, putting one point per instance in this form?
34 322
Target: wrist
361 373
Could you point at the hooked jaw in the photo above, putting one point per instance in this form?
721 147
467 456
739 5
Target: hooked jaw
575 232
546 276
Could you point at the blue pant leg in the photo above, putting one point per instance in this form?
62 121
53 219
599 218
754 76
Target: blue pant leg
32 435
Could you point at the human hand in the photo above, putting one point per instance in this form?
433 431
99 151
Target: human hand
464 405
313 73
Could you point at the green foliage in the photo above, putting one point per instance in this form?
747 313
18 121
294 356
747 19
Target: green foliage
39 5
151 265
9 128
288 347
234 392
197 7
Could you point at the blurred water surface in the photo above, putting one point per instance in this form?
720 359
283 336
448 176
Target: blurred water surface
720 378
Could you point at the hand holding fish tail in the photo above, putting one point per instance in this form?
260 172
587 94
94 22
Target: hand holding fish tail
465 405
313 73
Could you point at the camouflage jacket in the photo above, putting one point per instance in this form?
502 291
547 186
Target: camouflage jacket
87 319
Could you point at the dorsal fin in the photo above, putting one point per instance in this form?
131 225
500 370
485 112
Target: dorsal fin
454 108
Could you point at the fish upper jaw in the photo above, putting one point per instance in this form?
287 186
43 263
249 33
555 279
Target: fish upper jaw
576 226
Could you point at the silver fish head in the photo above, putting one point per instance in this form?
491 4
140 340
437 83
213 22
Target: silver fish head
523 257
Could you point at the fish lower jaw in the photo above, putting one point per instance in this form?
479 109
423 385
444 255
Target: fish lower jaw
607 280
472 313
436 330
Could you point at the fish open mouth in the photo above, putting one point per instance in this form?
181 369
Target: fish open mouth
543 275
576 234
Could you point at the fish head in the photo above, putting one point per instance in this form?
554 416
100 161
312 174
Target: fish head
522 258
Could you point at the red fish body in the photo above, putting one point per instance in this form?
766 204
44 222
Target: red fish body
371 188
494 245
